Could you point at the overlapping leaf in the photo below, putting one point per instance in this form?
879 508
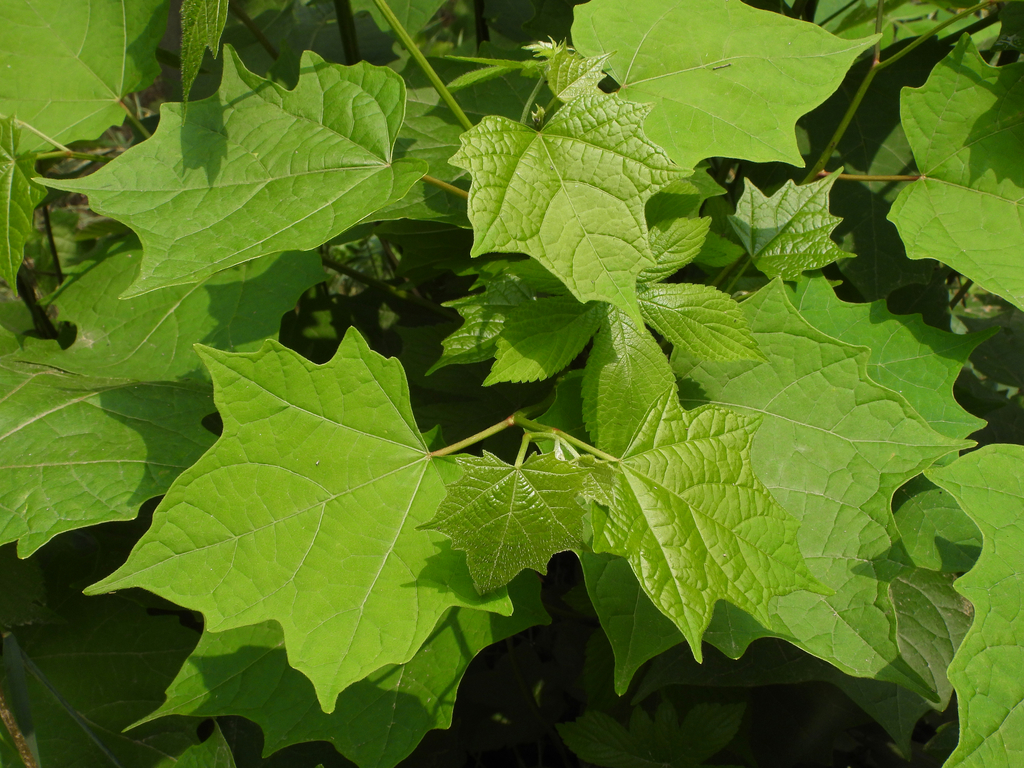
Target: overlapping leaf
985 671
727 79
700 321
378 720
694 522
914 359
215 752
571 195
77 451
968 211
18 199
636 629
412 14
626 372
256 169
306 512
833 448
937 534
788 233
507 518
68 65
150 337
541 337
202 22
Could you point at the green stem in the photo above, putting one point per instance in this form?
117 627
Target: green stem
529 102
71 156
347 30
474 439
254 30
483 34
724 273
410 45
389 289
872 177
42 135
744 262
878 66
543 429
446 186
134 120
961 293
523 448
879 18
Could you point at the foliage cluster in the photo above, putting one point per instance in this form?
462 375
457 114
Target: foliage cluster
512 382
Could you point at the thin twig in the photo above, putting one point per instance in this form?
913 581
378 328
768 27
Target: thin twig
474 439
347 31
389 289
53 245
446 186
41 135
483 33
879 17
26 290
254 30
16 735
134 120
961 294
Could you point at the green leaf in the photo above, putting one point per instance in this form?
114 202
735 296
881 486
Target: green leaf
938 534
571 75
636 629
541 337
18 199
663 741
833 448
571 195
908 356
305 512
23 600
507 518
675 243
626 371
202 22
150 337
965 129
686 496
728 80
412 14
788 233
111 662
77 451
257 169
700 321
984 672
67 67
212 753
379 720
483 315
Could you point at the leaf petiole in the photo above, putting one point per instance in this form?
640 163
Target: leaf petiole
543 429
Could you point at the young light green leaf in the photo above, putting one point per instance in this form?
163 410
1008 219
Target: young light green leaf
483 317
68 65
18 200
626 372
150 337
571 75
111 662
477 76
727 79
379 720
76 451
663 741
256 169
508 518
541 337
675 243
908 356
212 753
717 252
636 629
695 523
984 672
968 210
571 195
937 534
700 321
833 448
202 22
305 512
788 233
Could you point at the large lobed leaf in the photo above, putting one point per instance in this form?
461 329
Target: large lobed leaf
306 512
966 131
986 669
694 522
67 65
833 448
727 79
571 195
256 169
